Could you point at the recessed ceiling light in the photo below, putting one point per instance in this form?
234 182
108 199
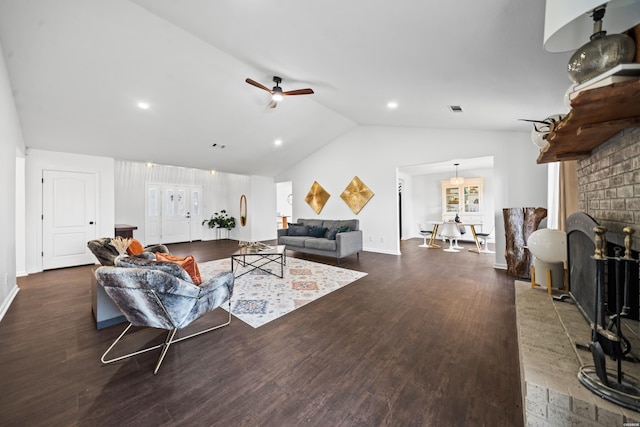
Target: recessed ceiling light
212 172
277 142
392 105
455 108
143 105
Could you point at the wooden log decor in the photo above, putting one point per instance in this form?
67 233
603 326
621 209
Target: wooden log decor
519 223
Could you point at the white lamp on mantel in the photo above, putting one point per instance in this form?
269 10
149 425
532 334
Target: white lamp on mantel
569 24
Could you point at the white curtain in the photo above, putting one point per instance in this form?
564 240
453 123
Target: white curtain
131 177
553 195
562 193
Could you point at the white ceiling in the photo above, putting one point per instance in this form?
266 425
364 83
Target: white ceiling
438 168
79 67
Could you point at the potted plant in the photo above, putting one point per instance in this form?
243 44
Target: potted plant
220 220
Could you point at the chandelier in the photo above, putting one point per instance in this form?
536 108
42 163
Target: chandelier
456 180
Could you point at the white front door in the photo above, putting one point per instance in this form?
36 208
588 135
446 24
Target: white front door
173 213
68 218
176 225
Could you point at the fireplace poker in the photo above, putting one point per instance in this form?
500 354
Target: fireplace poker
595 346
628 261
618 356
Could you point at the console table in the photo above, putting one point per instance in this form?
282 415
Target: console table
125 230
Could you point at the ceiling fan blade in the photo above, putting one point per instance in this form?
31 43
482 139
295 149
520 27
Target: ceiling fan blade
258 85
298 92
272 104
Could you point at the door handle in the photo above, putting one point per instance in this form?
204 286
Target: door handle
90 222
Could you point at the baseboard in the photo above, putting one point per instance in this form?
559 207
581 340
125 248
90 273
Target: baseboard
380 251
7 302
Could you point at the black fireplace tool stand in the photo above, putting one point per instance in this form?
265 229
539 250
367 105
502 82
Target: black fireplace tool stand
612 385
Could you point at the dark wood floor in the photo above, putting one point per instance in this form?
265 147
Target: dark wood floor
425 339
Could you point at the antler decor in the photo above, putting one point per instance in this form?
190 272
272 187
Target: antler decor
253 245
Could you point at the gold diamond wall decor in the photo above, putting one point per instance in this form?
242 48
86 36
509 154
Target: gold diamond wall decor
317 197
356 195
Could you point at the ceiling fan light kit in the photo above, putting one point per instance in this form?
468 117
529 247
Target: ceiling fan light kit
277 94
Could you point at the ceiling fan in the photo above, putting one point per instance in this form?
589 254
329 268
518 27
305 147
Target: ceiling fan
277 93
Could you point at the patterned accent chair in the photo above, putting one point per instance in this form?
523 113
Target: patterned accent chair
161 295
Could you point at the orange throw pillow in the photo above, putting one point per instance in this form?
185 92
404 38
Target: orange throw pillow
135 248
188 263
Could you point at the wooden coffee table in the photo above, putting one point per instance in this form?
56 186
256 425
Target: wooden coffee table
259 258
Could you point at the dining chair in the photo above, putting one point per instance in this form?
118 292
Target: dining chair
449 230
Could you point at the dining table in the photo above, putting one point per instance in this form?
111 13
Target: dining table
472 226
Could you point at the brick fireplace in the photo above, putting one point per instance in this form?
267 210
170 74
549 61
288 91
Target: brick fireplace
609 183
609 192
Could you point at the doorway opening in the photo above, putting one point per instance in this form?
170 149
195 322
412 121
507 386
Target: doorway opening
422 199
284 203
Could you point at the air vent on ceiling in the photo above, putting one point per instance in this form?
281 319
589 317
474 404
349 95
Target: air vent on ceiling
455 108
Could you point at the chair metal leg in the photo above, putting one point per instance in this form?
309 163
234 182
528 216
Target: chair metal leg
195 334
168 341
106 362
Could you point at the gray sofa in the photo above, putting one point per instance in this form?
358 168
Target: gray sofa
339 238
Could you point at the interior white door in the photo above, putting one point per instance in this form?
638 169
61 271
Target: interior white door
68 218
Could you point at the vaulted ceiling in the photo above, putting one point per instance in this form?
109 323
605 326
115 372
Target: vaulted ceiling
78 69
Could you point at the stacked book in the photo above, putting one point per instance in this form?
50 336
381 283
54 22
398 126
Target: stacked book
619 73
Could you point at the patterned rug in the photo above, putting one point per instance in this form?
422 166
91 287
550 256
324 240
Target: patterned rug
259 298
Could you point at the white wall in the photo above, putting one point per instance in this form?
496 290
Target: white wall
11 142
21 215
39 160
261 206
373 153
220 191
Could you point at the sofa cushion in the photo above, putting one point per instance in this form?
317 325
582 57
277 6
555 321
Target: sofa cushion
320 243
338 223
298 230
312 222
296 241
331 233
316 231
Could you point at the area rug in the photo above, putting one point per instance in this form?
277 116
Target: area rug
259 297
